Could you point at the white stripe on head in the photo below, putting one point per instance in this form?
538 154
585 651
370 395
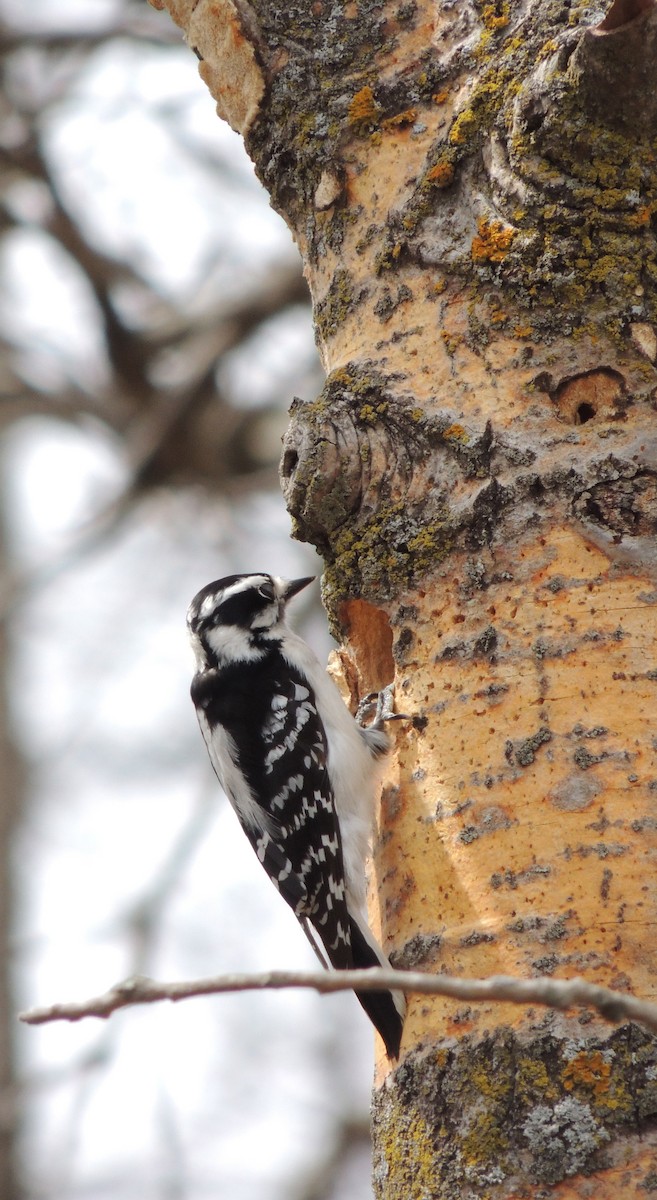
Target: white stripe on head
217 597
242 585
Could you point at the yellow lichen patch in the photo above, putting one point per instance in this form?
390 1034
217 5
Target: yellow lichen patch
492 242
363 110
441 174
440 97
407 1148
451 341
456 433
485 1140
498 317
532 1080
548 48
400 119
463 128
370 413
496 16
588 1069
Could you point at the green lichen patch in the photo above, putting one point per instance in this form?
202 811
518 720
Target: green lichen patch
510 1111
494 86
354 509
309 113
583 236
340 300
385 553
592 240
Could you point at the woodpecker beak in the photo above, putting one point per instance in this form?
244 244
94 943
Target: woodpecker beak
296 585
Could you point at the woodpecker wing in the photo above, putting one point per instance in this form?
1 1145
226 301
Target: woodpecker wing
264 723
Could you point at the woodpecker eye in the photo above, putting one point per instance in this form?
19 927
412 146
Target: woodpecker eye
266 590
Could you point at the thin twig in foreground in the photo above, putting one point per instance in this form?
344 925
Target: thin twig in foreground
552 993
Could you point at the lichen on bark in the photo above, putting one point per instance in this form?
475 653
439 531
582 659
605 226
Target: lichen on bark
484 1114
384 487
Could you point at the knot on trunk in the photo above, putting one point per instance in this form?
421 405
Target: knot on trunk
356 448
380 487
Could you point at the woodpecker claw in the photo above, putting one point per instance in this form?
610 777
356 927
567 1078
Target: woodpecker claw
385 701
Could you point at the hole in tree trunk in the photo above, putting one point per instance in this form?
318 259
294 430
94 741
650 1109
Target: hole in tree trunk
598 393
289 463
584 413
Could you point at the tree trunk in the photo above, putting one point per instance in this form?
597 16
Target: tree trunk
473 189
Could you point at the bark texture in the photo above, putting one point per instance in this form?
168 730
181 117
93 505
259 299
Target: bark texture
473 188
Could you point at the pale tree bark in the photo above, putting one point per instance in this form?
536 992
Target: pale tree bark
473 189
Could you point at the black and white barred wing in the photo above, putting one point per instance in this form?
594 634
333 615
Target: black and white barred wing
269 749
300 847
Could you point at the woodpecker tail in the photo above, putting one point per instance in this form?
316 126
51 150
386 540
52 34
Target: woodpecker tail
386 1010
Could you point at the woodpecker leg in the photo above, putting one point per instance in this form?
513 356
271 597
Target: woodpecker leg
385 700
384 708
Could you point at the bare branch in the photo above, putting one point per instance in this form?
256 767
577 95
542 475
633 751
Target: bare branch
552 993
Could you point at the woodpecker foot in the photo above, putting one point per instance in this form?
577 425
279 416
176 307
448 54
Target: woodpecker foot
383 703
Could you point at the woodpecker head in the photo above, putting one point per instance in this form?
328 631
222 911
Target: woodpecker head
233 618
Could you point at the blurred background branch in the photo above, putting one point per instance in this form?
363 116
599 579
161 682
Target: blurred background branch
154 327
